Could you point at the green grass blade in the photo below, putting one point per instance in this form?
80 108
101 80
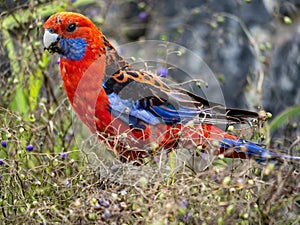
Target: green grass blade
282 118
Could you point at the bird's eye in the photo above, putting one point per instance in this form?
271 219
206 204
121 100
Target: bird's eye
50 30
71 27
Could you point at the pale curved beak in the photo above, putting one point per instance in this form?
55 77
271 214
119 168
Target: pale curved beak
49 38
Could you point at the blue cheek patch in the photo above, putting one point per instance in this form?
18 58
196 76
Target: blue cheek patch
73 49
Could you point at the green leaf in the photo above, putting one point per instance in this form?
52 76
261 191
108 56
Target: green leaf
19 102
282 118
36 82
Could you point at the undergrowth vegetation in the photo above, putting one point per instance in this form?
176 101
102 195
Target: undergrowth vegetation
53 172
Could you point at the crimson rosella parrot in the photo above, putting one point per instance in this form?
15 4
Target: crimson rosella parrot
135 112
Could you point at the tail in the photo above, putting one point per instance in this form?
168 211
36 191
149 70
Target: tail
230 148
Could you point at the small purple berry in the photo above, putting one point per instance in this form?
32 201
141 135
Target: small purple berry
63 155
103 202
29 147
106 214
1 161
163 72
156 159
46 159
143 15
188 217
4 144
183 203
94 12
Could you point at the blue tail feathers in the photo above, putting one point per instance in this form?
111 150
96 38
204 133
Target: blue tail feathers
255 151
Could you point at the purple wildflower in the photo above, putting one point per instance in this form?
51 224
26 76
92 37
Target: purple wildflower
1 161
163 72
72 1
4 144
57 61
143 15
29 147
63 155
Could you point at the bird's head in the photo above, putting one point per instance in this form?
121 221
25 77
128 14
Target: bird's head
72 35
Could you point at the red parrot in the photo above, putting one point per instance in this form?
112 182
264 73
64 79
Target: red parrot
134 112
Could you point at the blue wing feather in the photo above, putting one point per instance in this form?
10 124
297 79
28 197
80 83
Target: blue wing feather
128 109
153 115
170 115
125 108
